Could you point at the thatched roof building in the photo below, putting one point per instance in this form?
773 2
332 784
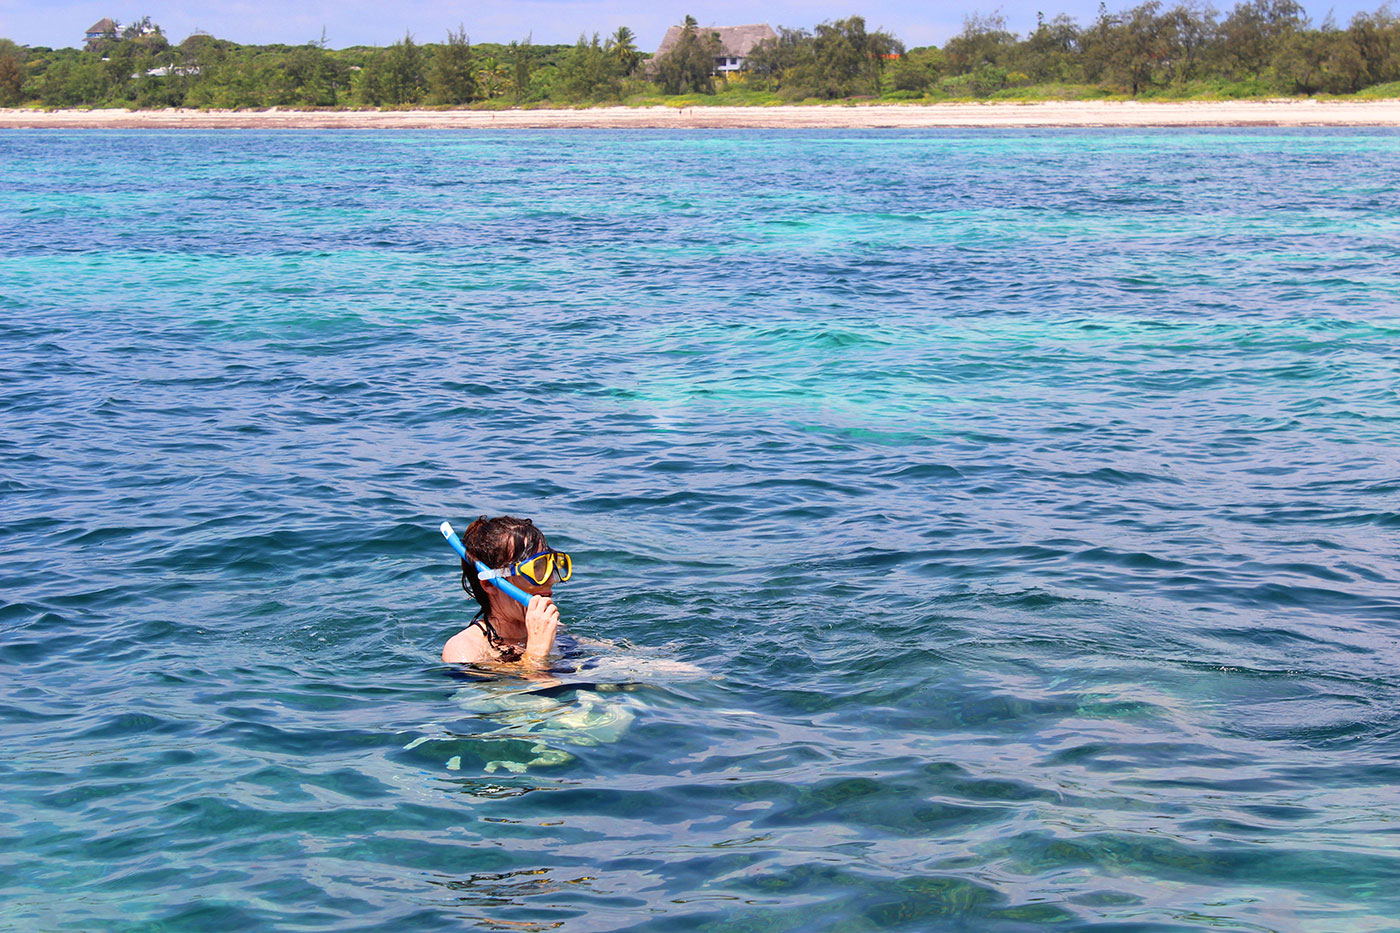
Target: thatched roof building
100 30
736 42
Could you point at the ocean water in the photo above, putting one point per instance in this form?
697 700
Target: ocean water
973 530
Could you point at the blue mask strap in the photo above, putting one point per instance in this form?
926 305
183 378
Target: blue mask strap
505 586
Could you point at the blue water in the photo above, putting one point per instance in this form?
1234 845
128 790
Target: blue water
973 530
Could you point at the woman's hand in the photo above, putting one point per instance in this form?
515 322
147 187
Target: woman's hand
541 624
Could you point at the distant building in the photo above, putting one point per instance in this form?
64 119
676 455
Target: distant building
736 42
100 30
166 70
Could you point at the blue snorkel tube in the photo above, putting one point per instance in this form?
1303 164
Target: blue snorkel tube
505 586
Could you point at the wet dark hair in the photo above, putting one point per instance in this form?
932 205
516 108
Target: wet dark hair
495 542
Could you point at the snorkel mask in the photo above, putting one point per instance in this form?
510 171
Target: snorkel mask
543 568
547 564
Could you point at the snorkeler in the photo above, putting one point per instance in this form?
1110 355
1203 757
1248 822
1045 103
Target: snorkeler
510 571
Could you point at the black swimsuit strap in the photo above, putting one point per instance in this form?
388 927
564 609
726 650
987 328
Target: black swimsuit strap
507 652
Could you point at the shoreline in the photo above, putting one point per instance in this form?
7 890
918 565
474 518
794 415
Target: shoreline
1038 114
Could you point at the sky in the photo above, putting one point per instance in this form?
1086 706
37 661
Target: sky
61 23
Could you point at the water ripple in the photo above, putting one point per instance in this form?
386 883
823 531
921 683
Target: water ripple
974 530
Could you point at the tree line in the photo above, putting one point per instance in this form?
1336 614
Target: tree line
1261 47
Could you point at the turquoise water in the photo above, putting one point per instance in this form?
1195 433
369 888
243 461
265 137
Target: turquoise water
973 530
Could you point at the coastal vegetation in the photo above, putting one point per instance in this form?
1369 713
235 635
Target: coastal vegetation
1260 48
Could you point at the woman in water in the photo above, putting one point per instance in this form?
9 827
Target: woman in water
504 631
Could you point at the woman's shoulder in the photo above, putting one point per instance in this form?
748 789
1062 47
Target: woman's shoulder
467 646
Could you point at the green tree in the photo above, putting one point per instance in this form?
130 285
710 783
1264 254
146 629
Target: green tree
1298 62
1051 53
1140 47
312 77
850 60
984 41
1323 60
11 74
772 59
1376 37
53 84
70 83
492 77
590 72
1252 32
622 45
116 71
1096 45
839 59
201 50
689 65
979 57
404 72
394 77
520 68
1189 29
201 59
454 72
542 81
916 70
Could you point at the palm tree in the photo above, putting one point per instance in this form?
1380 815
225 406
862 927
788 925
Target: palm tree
623 46
492 77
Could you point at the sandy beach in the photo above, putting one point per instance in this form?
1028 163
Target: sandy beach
1001 114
